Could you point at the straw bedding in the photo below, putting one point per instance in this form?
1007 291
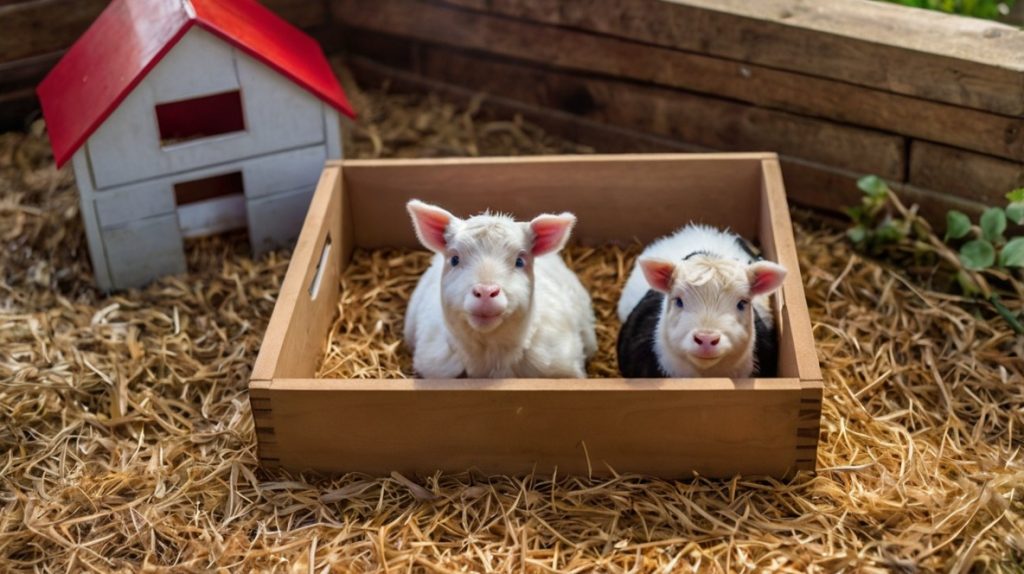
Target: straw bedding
126 440
366 340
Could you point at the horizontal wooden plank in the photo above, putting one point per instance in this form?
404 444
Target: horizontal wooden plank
44 26
670 432
301 13
807 183
719 124
970 175
809 95
829 189
17 109
962 61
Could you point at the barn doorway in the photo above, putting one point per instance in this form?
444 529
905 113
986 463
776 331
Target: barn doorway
211 205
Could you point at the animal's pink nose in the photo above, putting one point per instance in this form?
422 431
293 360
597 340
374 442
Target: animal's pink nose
706 338
489 289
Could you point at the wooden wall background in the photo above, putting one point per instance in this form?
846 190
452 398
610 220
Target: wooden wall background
840 88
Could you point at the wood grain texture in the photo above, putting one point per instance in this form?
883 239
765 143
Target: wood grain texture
807 183
298 326
767 87
962 61
44 26
969 175
670 431
666 189
806 180
797 354
142 250
664 427
40 27
709 122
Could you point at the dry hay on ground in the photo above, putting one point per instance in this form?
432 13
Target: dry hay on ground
126 437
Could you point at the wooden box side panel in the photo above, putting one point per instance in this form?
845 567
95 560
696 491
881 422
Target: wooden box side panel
797 355
716 432
615 197
298 326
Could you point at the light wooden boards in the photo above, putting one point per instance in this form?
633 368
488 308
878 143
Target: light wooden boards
831 99
962 61
672 428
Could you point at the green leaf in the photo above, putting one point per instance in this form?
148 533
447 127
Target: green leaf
856 213
1016 196
993 224
957 224
1012 254
873 185
977 254
1015 212
857 234
889 232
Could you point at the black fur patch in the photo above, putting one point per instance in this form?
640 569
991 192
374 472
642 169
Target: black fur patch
766 348
635 346
748 249
703 252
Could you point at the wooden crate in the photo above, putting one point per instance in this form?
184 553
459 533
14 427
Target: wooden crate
664 427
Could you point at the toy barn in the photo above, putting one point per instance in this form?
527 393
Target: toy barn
190 118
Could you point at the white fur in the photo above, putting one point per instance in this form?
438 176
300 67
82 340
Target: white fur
710 288
547 326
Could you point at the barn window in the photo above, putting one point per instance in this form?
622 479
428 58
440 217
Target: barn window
203 117
211 205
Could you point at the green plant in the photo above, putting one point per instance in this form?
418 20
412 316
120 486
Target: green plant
981 260
990 9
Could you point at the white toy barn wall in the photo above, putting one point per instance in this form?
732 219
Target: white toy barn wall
279 115
332 132
127 178
126 252
90 220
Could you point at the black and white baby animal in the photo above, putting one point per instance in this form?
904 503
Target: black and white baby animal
696 305
497 300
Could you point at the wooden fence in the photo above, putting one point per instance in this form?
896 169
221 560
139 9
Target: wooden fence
840 88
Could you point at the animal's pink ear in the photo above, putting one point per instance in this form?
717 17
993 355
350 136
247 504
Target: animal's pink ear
765 277
430 223
658 273
551 232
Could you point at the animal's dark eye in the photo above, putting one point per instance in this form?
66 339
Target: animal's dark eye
520 262
455 260
679 302
742 305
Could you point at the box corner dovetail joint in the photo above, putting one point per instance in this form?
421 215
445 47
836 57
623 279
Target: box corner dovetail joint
662 427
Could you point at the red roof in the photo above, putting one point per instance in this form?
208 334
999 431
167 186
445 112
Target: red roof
131 37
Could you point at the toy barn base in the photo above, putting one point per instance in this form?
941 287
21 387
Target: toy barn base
136 232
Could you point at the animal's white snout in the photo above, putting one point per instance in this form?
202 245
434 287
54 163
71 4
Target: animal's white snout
706 346
486 307
707 339
481 290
